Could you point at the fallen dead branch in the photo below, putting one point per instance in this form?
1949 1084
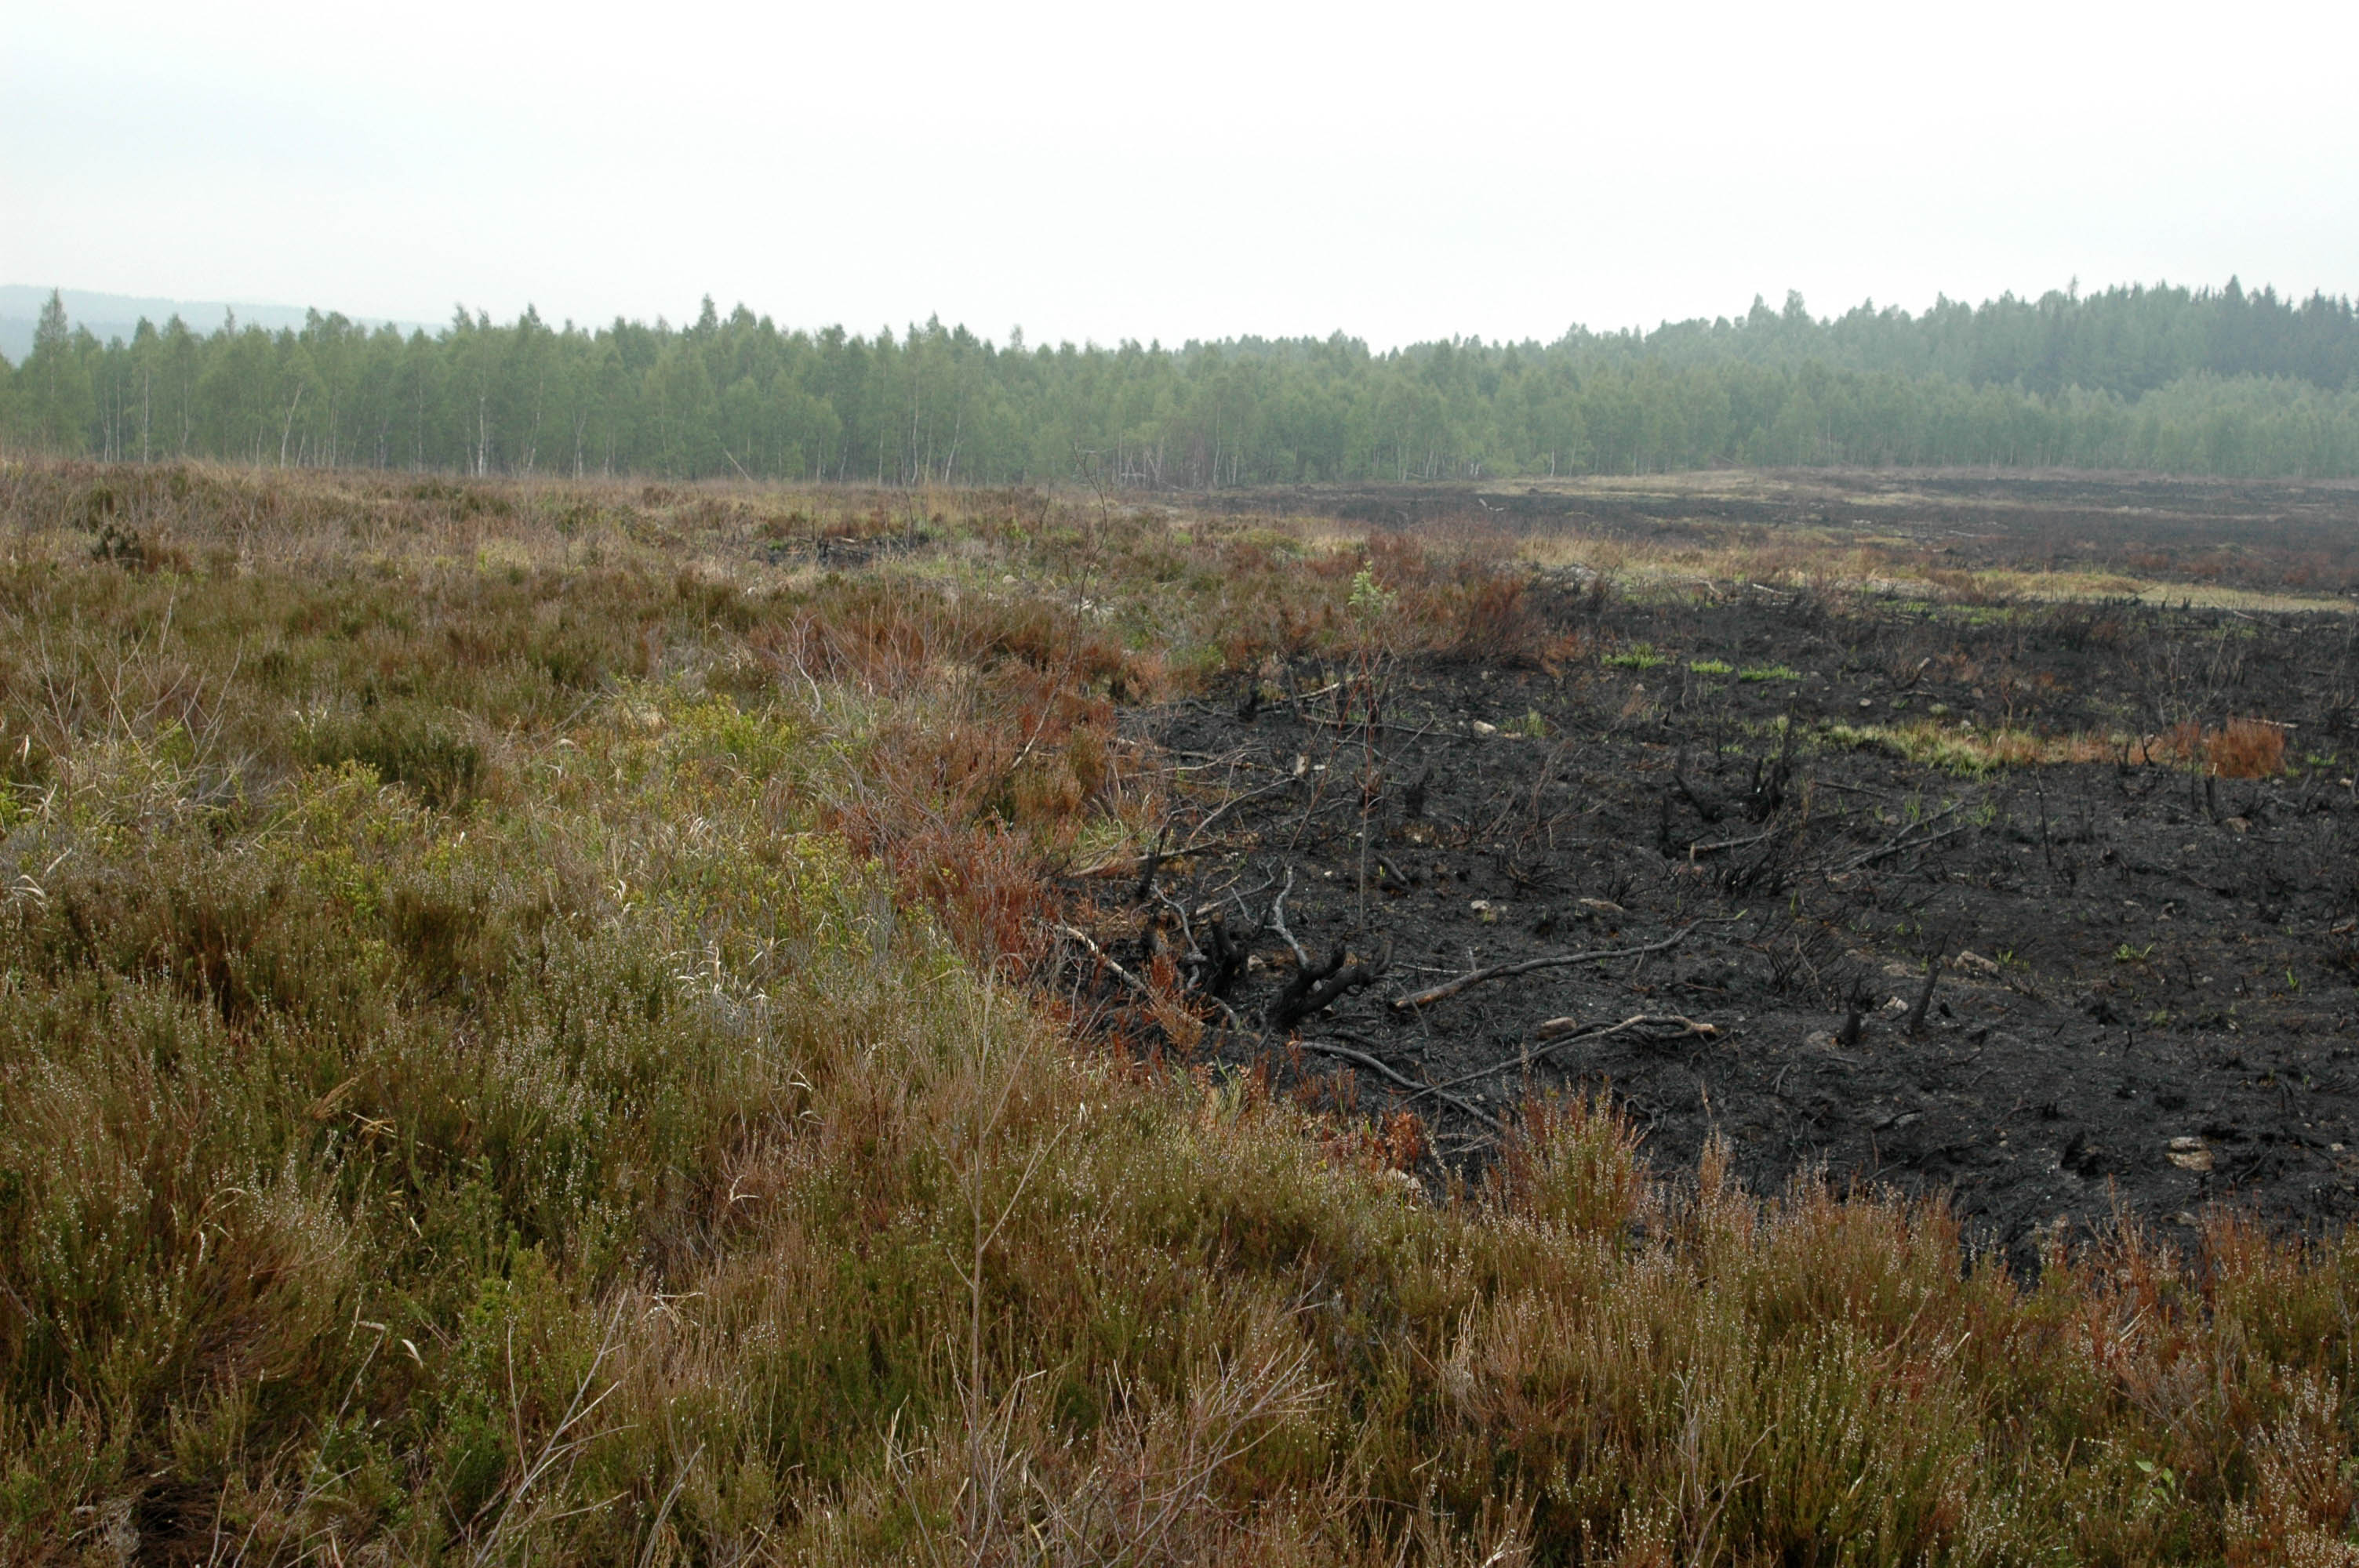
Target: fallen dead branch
1073 932
1656 1025
1658 1028
1416 1089
1900 843
1449 989
1195 835
1714 849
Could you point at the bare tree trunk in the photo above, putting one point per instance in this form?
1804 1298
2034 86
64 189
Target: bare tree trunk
289 429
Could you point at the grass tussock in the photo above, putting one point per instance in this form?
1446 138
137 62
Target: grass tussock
1969 753
512 1047
2239 749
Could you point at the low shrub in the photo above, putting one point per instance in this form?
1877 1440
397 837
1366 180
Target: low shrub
648 1159
402 743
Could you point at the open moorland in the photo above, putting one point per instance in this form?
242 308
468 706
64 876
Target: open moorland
1730 1018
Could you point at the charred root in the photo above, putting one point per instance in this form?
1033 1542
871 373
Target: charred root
1317 986
1223 959
1913 1022
1413 798
1702 804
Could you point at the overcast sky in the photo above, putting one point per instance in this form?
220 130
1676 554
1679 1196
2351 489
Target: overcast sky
1172 171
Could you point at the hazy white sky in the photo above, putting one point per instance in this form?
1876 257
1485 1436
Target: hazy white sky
1090 171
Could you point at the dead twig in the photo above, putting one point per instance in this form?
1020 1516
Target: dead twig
1695 850
1661 1026
518 1505
1102 956
1362 1059
1659 1029
1127 865
1277 921
1900 843
1449 989
1196 834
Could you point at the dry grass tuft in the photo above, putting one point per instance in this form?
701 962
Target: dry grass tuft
2246 749
2240 748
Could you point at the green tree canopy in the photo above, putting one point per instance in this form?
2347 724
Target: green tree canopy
2225 381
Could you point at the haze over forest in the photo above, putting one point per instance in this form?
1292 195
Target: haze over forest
2215 380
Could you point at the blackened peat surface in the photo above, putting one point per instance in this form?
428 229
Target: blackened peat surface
2266 536
1778 821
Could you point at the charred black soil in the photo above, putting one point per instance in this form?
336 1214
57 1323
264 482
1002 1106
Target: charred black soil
1952 899
2265 534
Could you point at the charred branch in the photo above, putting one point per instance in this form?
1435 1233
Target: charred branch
1075 933
1362 1059
1711 810
1449 989
1905 841
1314 988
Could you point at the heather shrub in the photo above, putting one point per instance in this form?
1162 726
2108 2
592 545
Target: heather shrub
506 1055
403 744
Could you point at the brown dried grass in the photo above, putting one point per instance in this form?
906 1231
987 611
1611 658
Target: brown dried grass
2239 749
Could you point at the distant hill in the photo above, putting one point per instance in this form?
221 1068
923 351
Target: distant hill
119 315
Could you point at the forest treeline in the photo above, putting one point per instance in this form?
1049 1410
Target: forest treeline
2212 381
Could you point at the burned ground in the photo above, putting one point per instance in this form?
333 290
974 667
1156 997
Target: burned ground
2262 534
1773 816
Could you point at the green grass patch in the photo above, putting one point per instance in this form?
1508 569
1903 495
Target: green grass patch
1968 752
